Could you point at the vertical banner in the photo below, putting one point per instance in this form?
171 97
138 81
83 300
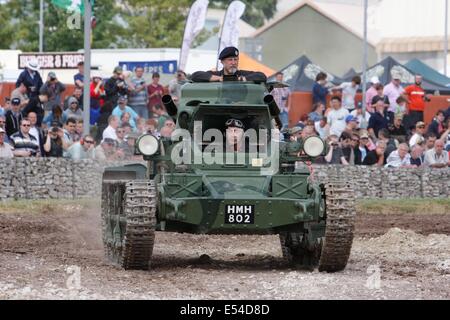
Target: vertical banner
194 24
230 30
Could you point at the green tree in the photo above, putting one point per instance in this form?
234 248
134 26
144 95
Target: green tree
20 28
257 12
155 23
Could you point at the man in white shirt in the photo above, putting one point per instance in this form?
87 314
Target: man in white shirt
418 138
400 157
5 148
336 117
349 90
393 90
110 131
437 157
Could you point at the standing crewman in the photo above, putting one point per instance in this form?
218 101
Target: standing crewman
229 57
417 98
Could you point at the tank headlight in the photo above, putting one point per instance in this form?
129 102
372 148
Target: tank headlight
313 146
147 145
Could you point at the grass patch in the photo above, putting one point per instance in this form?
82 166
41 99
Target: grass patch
47 206
416 206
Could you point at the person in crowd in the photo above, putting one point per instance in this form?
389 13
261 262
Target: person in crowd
78 79
167 128
364 143
402 105
417 155
2 125
13 118
31 78
335 154
319 90
126 126
379 96
155 92
416 97
98 94
24 144
336 117
77 94
120 133
69 135
151 127
53 146
6 150
36 105
376 157
317 112
391 145
36 132
281 97
399 158
110 131
128 149
79 131
397 130
393 90
349 90
437 157
73 111
56 115
116 86
21 93
351 124
83 149
370 93
378 120
357 154
430 140
358 114
418 136
6 107
53 89
122 108
107 151
345 141
102 123
175 86
322 128
437 125
138 93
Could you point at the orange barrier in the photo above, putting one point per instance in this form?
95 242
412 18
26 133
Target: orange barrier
7 87
301 103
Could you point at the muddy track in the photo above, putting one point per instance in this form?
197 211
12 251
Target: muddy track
394 256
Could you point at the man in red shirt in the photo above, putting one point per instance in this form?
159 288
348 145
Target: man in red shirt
416 99
155 93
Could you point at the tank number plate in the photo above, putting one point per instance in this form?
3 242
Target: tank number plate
239 214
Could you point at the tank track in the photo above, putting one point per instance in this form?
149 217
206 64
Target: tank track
129 244
340 225
330 253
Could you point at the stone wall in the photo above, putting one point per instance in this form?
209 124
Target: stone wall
57 178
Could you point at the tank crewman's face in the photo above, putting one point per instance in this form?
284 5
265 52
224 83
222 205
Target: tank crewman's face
234 135
230 65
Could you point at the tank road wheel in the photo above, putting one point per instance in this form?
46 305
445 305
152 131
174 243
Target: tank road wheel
298 252
128 221
340 225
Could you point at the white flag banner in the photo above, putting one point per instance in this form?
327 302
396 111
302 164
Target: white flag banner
194 24
230 30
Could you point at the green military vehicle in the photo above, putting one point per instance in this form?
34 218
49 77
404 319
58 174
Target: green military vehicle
193 182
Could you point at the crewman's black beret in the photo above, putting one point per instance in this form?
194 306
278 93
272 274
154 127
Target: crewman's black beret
229 52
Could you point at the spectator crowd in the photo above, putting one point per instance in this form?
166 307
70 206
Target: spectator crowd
390 132
36 122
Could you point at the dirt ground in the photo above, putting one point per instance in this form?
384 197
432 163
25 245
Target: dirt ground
57 254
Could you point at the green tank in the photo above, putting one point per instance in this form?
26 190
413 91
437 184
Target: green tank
201 181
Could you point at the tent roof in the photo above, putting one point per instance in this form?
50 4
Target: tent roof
248 63
428 73
301 74
348 76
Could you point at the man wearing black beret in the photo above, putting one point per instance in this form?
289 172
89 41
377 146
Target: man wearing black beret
230 61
